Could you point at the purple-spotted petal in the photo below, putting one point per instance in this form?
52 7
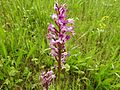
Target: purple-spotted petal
61 35
67 37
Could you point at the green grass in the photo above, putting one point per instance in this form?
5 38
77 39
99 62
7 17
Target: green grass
94 61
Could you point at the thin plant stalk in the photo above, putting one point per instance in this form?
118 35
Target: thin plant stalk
59 64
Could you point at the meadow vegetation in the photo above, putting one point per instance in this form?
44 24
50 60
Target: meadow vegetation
94 51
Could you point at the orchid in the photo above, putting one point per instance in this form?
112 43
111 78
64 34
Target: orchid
59 36
47 77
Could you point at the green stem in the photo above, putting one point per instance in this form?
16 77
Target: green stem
59 70
59 65
46 87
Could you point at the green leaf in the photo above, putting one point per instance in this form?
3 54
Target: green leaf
43 44
31 52
1 76
29 75
13 71
3 48
75 67
7 81
116 86
2 45
67 67
18 80
2 34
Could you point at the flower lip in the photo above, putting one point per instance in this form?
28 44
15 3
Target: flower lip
51 27
70 20
54 16
67 37
61 35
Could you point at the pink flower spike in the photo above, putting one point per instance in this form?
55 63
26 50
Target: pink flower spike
47 78
58 35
